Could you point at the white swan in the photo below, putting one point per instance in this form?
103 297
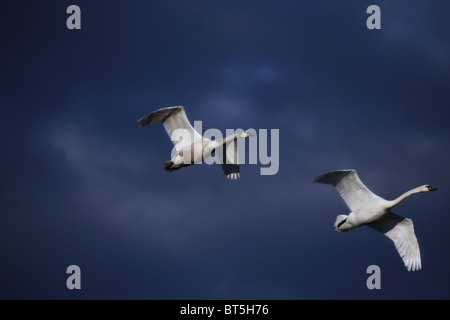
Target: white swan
193 147
375 212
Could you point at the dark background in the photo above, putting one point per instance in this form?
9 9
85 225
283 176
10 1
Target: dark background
80 184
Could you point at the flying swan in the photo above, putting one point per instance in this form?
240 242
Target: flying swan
193 147
375 212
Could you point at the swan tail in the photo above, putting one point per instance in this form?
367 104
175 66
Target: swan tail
171 166
341 223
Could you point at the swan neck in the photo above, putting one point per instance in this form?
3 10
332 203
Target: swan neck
227 139
403 196
217 143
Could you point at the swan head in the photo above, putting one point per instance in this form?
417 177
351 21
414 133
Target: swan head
245 134
427 188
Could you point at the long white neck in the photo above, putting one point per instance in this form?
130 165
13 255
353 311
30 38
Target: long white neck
395 202
219 142
211 145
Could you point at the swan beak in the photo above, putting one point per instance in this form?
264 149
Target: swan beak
432 189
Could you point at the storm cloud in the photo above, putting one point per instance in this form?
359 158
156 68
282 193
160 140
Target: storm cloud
82 185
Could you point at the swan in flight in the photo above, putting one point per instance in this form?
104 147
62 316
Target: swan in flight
191 147
369 209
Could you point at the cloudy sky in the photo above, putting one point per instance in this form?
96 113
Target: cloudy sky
81 185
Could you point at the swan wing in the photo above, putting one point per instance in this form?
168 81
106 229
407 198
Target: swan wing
230 163
231 171
173 118
401 231
350 187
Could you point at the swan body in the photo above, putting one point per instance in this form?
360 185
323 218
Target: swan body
369 209
193 147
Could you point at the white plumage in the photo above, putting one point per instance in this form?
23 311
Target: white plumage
369 209
191 147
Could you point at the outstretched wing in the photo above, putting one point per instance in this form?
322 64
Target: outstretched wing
173 118
230 160
349 186
401 232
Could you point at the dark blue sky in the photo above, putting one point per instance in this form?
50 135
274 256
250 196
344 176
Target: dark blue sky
82 185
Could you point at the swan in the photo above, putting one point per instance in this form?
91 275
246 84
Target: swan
369 209
194 148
